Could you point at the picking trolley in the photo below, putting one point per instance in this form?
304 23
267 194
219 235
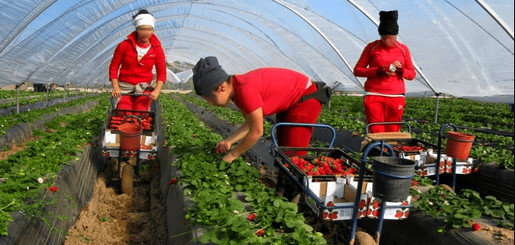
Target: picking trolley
129 137
346 195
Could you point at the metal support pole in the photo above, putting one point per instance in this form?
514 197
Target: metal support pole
454 174
17 99
381 219
437 106
48 87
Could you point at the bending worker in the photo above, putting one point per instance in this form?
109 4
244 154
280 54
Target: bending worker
385 63
259 93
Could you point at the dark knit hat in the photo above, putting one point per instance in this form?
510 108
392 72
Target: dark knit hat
388 23
208 75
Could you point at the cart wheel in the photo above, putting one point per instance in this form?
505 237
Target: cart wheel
127 178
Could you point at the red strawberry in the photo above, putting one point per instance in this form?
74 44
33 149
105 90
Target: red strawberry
376 213
475 170
324 215
330 204
406 213
369 212
333 215
398 214
414 182
404 203
476 227
53 188
260 232
376 204
252 216
172 181
361 204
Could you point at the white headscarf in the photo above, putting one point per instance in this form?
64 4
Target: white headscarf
144 19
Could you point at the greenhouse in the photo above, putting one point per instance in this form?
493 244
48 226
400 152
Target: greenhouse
62 165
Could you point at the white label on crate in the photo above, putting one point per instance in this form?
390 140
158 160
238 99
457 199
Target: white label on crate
113 153
109 138
340 180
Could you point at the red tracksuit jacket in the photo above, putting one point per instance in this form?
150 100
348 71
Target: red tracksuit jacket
133 71
377 55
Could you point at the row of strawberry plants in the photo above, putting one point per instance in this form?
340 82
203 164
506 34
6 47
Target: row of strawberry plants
40 97
232 116
30 173
33 115
346 112
461 209
262 218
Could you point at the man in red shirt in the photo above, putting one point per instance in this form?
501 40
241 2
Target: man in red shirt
259 93
385 63
131 68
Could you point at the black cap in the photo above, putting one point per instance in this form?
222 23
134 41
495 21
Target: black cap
208 75
388 23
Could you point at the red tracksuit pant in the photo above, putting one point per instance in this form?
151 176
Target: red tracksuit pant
305 112
383 109
135 103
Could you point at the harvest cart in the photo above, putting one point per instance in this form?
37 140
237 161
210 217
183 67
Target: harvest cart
335 197
405 146
129 137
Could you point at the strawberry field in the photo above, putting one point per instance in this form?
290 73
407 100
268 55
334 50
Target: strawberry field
237 203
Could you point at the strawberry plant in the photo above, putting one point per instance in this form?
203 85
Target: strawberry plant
346 113
224 195
32 115
29 173
459 210
233 117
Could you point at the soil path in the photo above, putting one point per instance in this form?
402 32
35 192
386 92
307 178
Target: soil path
115 218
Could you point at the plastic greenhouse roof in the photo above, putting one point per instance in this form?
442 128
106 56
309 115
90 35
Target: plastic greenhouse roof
460 47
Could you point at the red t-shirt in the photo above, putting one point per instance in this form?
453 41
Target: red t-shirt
377 55
272 89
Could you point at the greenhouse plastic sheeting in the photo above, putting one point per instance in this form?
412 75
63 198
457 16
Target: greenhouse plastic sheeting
460 47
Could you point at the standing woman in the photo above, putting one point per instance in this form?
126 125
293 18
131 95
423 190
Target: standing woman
385 63
131 68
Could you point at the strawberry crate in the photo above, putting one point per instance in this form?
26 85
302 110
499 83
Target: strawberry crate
116 117
327 193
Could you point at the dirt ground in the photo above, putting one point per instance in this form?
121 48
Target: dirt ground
115 218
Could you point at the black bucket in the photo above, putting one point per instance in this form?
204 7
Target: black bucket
392 178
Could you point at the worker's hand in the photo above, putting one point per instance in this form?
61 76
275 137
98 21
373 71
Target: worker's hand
153 95
397 64
229 157
116 92
398 67
223 147
384 71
